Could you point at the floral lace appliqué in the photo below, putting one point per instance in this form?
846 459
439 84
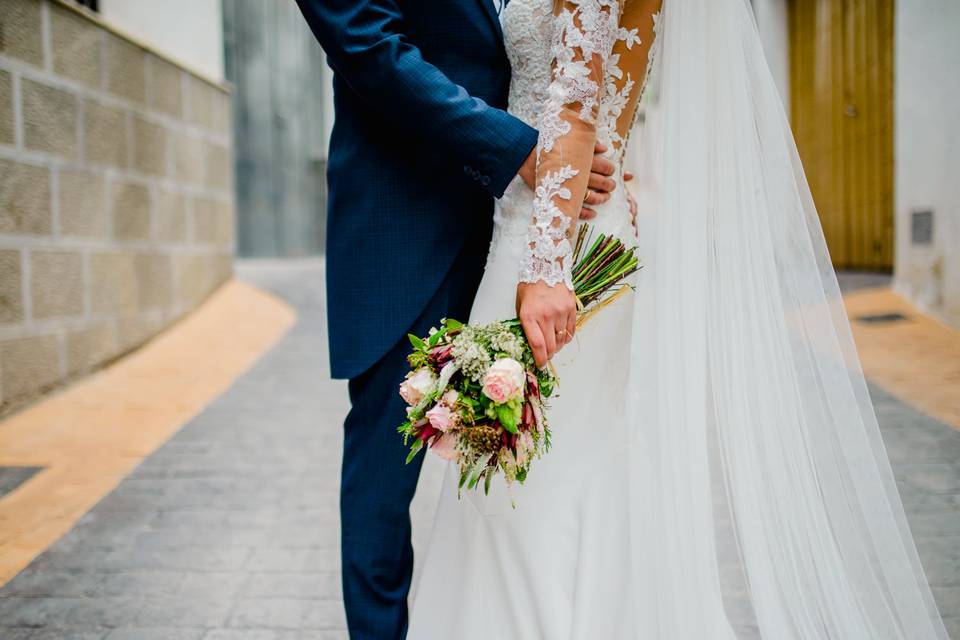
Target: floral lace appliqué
584 34
549 249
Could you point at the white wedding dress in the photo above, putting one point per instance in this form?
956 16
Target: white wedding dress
716 469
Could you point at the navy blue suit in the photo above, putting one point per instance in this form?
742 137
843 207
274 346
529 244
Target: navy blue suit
420 147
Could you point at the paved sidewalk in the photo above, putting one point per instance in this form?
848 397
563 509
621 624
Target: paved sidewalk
229 531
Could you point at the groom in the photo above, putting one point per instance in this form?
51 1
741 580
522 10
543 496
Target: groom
420 147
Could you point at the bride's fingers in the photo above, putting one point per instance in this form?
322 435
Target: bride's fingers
536 341
549 330
601 183
571 326
594 198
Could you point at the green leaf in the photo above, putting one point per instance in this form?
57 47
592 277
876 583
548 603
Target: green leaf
486 483
473 476
507 416
452 324
436 337
414 450
417 342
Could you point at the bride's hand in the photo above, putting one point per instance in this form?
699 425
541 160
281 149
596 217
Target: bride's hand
549 317
598 188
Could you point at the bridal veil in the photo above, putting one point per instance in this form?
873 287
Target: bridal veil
759 473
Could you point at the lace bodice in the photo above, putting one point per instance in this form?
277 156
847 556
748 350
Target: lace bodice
577 74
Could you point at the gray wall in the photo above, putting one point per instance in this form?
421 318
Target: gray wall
116 213
281 87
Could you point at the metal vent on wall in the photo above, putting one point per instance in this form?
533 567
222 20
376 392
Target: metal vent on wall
921 227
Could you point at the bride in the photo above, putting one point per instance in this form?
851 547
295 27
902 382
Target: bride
717 469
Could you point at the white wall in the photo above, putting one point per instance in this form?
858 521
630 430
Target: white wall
189 31
927 151
773 25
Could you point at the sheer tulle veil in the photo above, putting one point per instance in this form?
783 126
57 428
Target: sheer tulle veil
760 480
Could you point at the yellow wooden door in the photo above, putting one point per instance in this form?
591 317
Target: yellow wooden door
841 68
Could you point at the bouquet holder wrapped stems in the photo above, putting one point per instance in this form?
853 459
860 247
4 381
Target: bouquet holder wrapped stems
475 395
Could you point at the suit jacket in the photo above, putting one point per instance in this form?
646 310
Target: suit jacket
420 147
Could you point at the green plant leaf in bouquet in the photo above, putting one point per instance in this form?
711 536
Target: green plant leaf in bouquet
476 471
437 336
414 450
507 415
417 342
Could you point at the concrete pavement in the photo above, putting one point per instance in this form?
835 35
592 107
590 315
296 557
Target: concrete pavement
229 530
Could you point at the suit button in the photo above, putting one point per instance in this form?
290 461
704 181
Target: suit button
485 180
476 174
466 169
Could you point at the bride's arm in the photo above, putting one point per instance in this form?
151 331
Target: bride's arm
584 34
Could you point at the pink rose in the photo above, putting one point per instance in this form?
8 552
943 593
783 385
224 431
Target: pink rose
416 385
441 417
446 446
504 380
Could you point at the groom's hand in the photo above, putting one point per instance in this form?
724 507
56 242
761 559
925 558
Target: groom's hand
598 188
549 318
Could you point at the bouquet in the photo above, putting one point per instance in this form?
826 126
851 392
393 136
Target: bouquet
475 394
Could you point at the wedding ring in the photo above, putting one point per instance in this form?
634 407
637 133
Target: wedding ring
562 332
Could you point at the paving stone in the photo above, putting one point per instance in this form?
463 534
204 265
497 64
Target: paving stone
54 583
141 582
321 585
287 613
155 633
210 611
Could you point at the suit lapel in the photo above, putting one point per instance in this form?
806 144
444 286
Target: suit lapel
489 8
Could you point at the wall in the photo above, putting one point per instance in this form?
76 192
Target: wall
116 212
282 93
927 147
190 31
773 25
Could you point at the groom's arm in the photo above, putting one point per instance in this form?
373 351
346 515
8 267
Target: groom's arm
365 43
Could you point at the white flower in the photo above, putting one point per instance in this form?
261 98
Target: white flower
416 385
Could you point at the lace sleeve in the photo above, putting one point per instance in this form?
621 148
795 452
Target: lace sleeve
584 34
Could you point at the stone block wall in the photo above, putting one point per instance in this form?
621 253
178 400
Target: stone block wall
116 205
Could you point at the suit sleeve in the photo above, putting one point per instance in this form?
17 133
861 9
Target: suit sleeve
365 44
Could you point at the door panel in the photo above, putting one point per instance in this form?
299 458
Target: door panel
841 67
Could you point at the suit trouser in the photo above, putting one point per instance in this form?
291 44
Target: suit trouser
376 486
